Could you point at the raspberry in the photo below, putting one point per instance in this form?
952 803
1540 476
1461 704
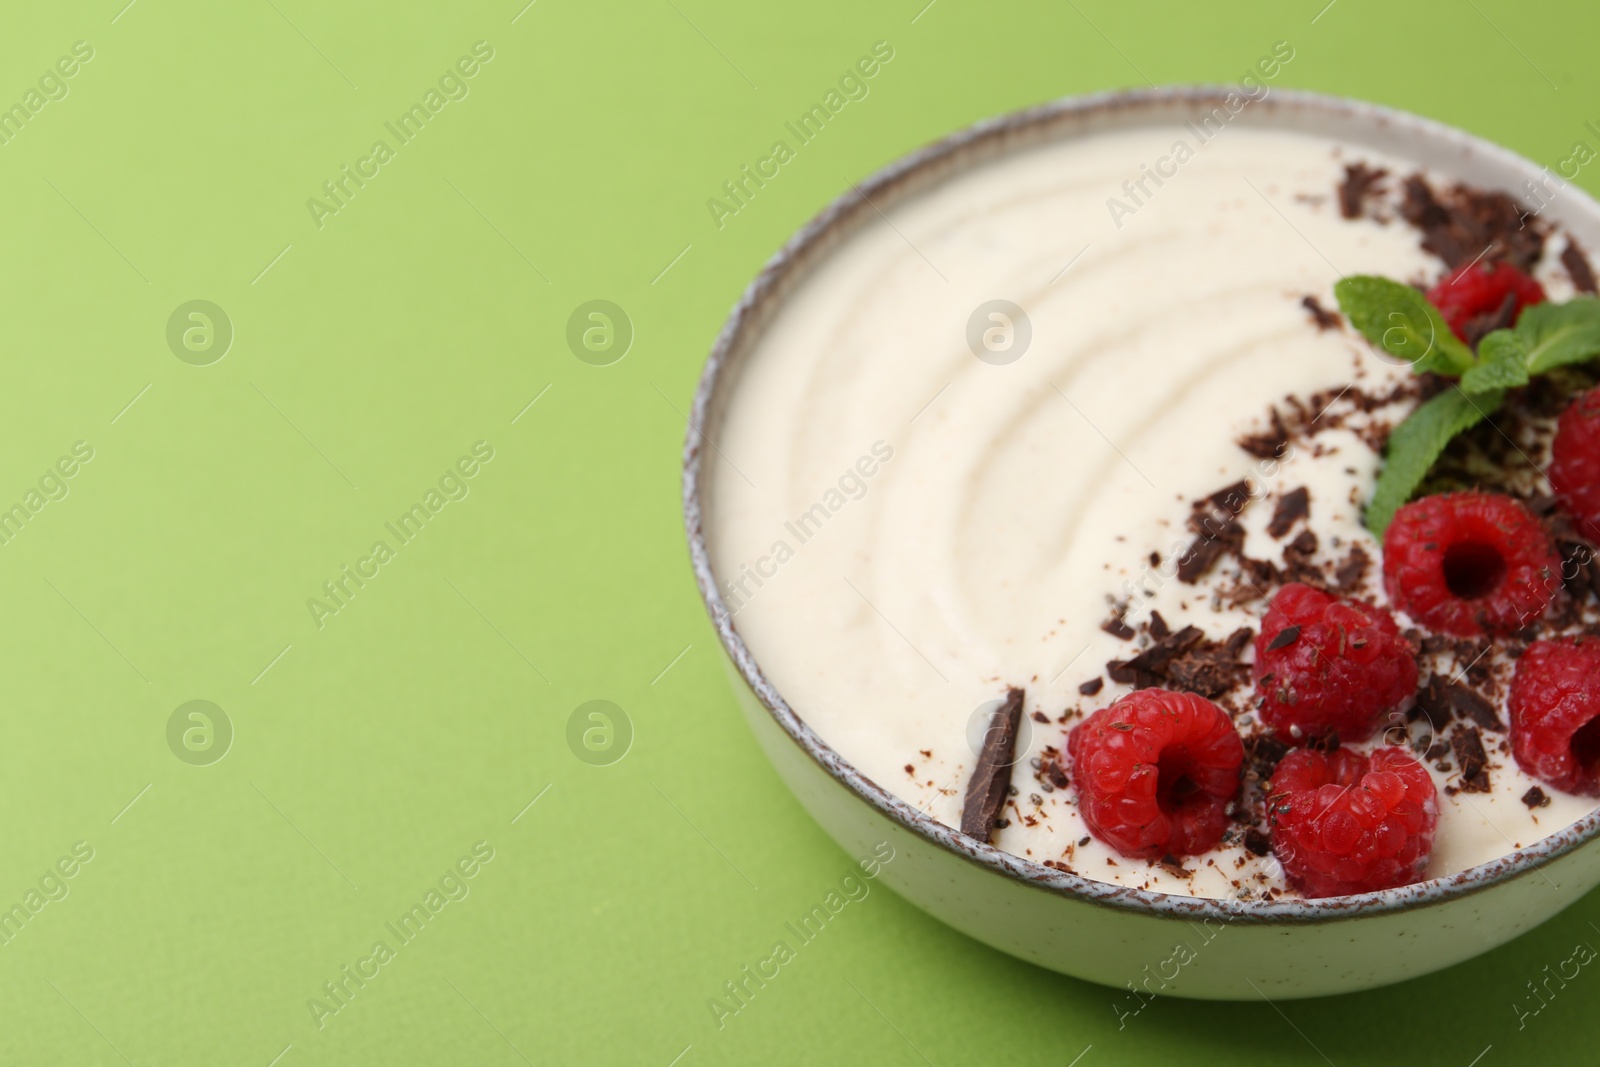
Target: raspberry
1466 563
1482 289
1348 823
1325 665
1575 461
1155 772
1555 714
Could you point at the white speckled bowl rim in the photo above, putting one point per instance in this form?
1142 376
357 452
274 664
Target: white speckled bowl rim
954 154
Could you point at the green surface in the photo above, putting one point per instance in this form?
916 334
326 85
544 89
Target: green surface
371 753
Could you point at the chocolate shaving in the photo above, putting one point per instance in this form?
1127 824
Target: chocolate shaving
1360 181
1468 745
1286 637
1158 626
1578 268
1535 798
1257 843
1291 508
986 790
1092 686
1325 319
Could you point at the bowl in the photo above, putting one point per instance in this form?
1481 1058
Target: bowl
1116 935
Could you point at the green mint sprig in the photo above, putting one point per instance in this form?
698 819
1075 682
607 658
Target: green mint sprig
1401 321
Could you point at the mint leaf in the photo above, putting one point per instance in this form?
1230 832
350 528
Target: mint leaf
1557 334
1416 443
1398 319
1502 364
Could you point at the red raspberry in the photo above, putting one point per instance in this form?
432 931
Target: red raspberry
1348 823
1481 289
1466 563
1325 665
1155 772
1555 714
1575 461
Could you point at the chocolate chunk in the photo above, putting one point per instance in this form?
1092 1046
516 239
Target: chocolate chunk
1325 319
1040 716
1092 686
1230 499
1158 626
1468 745
1237 641
1286 637
1350 574
1256 842
1155 658
986 790
1116 627
1442 700
1198 559
1578 268
1270 444
1291 508
1535 798
1360 181
1464 225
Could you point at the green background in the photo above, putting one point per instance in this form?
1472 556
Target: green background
369 354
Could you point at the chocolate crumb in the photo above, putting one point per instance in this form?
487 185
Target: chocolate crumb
1092 686
1291 508
1535 798
1256 842
1325 319
910 769
1040 716
986 790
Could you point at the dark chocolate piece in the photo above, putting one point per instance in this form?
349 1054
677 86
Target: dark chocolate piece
986 790
1360 180
1578 268
1442 700
1325 319
1463 225
1286 637
1291 508
1270 444
1350 574
1468 745
1256 842
1535 798
1118 628
1092 686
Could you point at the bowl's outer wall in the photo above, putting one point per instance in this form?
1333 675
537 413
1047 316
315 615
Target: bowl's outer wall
1225 960
1239 958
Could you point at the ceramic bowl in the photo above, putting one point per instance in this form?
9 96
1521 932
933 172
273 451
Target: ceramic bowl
1120 936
